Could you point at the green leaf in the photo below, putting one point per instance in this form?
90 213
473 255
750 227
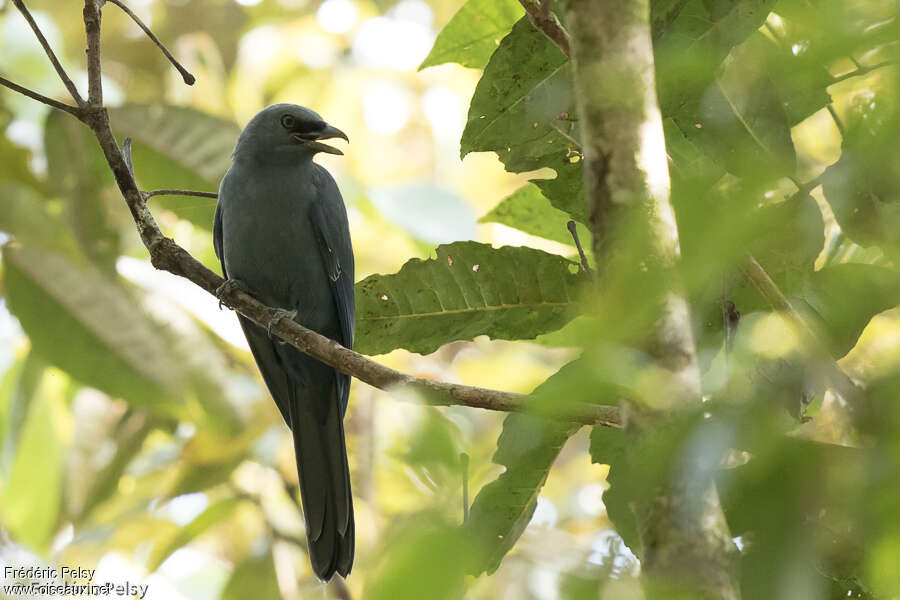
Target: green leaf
24 215
31 497
421 556
77 172
87 325
608 448
844 298
176 147
527 447
253 578
470 289
213 514
528 210
474 33
523 110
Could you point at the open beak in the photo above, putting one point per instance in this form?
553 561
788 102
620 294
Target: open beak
311 140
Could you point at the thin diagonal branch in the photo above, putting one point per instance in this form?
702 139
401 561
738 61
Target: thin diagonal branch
544 20
185 74
50 54
861 70
73 110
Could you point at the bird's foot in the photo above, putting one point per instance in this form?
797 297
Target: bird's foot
229 286
280 314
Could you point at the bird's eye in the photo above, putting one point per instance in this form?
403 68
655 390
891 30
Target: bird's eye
288 121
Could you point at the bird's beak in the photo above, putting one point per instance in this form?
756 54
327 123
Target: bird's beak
327 133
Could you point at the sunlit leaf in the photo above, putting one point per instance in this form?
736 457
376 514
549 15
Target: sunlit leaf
528 210
474 33
470 289
213 514
523 109
31 497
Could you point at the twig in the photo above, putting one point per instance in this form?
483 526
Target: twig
50 54
544 20
837 120
861 70
574 231
185 74
72 110
149 195
811 339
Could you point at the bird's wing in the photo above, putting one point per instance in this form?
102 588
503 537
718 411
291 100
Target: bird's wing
261 345
217 238
329 219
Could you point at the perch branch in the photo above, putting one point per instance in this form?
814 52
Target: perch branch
67 81
166 255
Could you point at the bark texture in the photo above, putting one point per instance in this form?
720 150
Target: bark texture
687 550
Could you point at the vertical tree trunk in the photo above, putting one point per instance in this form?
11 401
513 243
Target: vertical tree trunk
686 546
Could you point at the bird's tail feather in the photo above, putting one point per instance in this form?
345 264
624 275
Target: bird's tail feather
324 484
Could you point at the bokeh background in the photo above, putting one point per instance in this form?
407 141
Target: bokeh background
136 436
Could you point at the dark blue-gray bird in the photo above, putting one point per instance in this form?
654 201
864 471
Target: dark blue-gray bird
281 233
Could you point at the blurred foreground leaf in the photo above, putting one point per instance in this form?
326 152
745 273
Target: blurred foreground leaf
30 498
253 578
527 447
213 514
470 289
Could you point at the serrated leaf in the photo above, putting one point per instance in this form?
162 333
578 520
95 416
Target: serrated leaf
523 110
474 33
845 297
528 210
177 147
470 289
84 323
213 514
253 578
527 447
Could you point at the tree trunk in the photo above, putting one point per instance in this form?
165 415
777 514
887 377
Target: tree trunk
687 550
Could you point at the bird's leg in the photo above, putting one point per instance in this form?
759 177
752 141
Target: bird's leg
280 314
229 286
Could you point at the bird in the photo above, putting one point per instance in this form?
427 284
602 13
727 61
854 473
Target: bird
281 234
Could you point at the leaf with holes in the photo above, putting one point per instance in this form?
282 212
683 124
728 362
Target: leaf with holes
470 289
523 109
176 147
474 33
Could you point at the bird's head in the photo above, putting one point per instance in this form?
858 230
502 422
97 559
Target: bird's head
287 130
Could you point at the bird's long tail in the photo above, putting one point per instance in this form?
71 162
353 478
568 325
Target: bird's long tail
324 483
